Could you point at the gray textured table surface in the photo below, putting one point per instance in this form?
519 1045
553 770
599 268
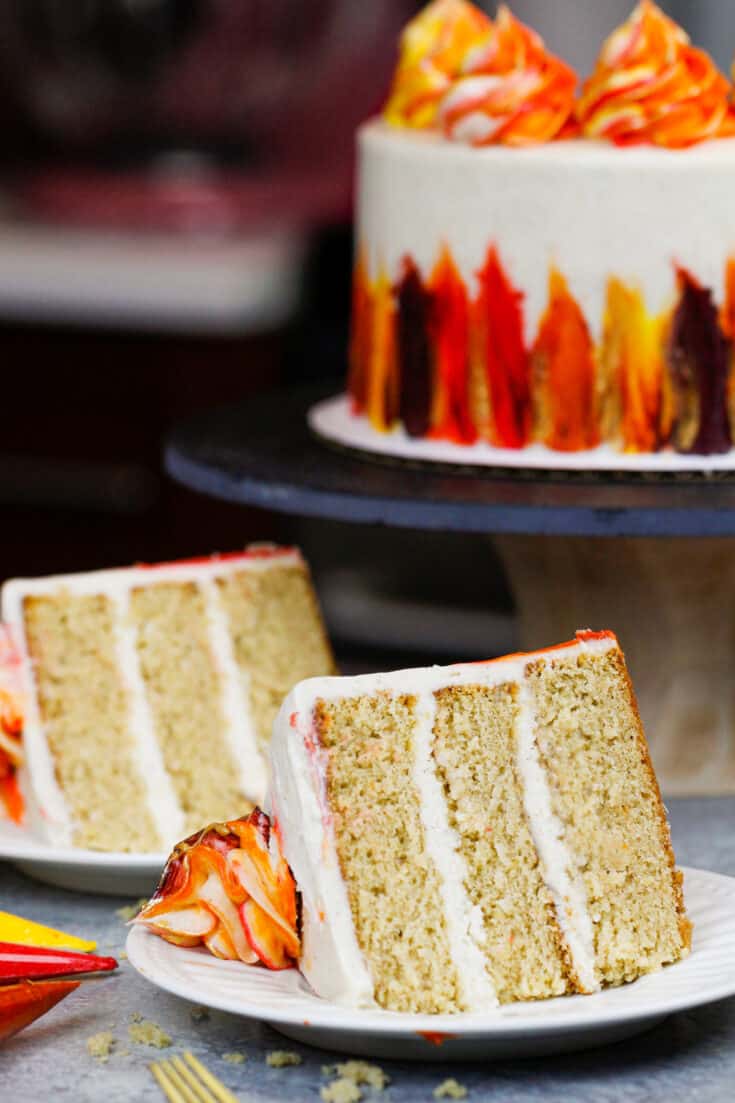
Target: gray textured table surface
689 1058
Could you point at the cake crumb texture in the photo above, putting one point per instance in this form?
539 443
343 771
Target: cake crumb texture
393 886
605 792
450 1089
475 752
183 690
361 1072
147 1033
277 634
84 712
100 1045
342 1090
282 1059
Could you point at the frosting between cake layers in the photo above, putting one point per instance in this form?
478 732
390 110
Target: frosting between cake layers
332 960
47 811
547 831
464 924
239 724
163 804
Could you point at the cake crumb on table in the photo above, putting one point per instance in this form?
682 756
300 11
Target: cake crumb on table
450 1089
100 1045
343 1090
199 1014
136 1017
147 1033
360 1072
129 911
282 1058
234 1058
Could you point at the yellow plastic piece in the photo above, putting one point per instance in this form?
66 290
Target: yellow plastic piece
26 933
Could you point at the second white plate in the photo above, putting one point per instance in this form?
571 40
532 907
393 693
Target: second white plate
285 1001
93 871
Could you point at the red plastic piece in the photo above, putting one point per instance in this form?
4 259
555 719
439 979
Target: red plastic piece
29 962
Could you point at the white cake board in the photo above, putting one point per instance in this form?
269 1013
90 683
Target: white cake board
333 420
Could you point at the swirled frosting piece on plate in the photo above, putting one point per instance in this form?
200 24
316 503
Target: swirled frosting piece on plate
11 725
229 888
652 85
479 81
477 835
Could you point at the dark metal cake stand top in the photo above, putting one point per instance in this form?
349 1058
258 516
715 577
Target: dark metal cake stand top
262 453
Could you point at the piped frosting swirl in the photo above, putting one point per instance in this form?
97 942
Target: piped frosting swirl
650 85
479 81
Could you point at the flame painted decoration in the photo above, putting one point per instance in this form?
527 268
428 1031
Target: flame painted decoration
450 366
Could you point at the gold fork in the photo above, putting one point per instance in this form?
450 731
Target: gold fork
188 1081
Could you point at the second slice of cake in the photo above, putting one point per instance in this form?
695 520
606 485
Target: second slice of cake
477 834
150 692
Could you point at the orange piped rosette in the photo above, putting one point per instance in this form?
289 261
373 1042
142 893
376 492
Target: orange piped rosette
230 889
652 86
480 81
433 48
511 91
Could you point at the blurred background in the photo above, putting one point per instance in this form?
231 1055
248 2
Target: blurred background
175 233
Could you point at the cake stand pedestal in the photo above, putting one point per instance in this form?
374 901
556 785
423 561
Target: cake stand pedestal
651 558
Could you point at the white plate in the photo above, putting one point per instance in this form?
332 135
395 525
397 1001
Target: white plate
81 870
332 420
285 1001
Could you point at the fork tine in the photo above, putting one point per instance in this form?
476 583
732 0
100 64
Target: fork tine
217 1088
166 1086
200 1091
183 1087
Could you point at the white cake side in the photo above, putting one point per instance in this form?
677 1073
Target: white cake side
591 209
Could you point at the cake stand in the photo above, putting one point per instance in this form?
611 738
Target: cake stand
652 557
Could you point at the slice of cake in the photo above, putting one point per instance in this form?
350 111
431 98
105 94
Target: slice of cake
151 691
476 834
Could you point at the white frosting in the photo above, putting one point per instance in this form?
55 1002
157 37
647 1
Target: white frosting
332 961
560 875
239 730
590 208
163 803
465 929
47 810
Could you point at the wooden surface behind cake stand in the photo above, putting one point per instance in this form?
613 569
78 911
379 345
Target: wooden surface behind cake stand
651 557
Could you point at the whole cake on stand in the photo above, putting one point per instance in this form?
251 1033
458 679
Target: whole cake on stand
545 277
